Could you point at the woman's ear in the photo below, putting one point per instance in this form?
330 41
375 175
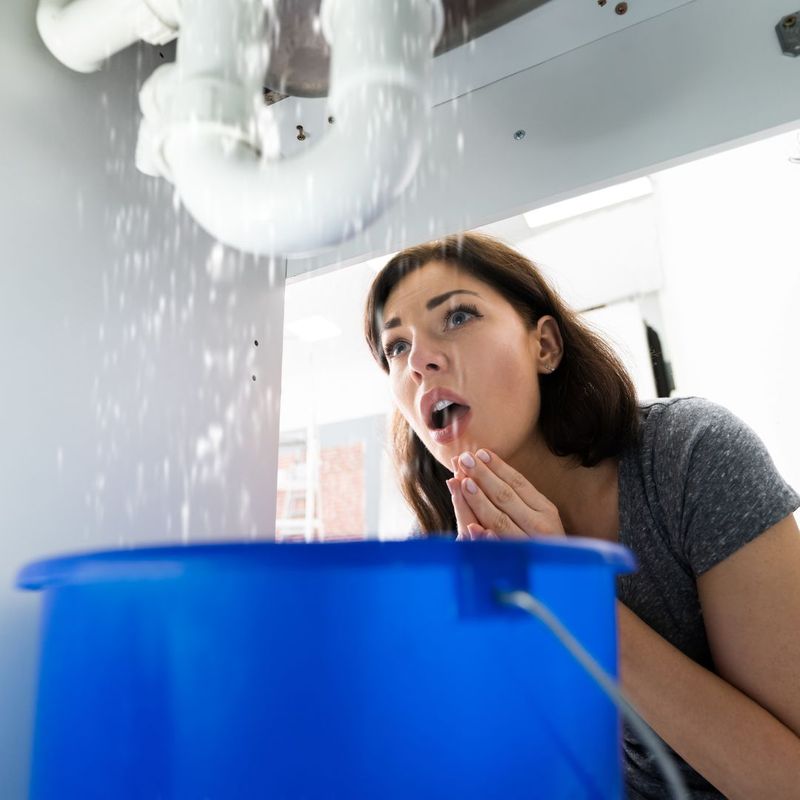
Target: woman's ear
549 346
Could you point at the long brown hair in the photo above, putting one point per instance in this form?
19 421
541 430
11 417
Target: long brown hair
588 405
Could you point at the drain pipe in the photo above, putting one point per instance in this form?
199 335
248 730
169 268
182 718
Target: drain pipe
82 33
200 116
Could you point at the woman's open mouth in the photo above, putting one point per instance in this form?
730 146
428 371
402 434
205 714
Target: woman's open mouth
449 422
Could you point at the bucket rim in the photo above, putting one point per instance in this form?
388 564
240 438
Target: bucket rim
165 561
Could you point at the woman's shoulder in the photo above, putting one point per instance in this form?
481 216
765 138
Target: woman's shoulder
678 423
690 446
710 477
688 439
688 411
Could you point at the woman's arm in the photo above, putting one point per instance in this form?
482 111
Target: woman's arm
751 607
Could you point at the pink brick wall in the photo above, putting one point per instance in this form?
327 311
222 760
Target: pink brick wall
342 484
341 488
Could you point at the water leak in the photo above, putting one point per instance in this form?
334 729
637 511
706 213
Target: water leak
181 403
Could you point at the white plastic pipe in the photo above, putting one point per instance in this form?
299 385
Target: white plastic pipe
83 33
381 53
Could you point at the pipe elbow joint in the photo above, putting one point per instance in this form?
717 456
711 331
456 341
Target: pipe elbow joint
302 204
199 129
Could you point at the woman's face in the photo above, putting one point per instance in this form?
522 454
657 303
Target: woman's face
450 337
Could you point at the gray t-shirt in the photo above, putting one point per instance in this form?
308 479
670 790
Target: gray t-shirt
698 486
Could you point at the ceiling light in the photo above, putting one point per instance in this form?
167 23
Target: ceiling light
566 209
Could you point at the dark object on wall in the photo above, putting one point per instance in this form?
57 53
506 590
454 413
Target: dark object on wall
788 30
662 371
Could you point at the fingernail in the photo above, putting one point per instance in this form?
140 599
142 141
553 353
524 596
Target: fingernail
470 486
483 456
467 460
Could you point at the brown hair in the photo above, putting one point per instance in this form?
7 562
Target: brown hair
588 405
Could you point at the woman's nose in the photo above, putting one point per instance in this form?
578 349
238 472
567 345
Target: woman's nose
425 358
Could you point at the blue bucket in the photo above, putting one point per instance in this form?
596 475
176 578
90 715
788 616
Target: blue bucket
352 670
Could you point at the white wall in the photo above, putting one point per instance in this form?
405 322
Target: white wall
600 257
124 338
731 298
335 378
622 325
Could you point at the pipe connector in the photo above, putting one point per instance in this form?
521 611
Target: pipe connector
329 10
397 52
81 34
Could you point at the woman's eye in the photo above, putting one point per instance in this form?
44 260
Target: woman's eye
393 349
460 316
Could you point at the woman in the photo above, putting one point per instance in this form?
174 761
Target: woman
515 419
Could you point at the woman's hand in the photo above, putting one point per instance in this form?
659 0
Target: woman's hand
494 501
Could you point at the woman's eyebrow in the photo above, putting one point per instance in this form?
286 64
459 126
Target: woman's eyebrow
430 305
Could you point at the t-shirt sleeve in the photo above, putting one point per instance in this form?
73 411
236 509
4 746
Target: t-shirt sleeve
718 485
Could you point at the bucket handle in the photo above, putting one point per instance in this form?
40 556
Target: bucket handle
527 602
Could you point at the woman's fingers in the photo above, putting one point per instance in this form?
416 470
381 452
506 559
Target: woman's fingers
503 500
487 514
499 477
492 500
464 514
479 532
